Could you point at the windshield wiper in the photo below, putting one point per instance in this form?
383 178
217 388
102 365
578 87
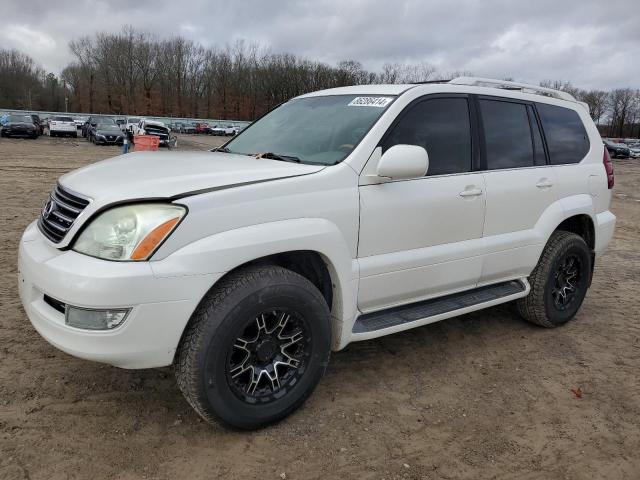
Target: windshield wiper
275 156
221 149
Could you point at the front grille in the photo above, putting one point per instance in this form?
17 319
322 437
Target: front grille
59 213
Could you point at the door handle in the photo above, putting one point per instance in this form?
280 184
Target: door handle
544 183
471 192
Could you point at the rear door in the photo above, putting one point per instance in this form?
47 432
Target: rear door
520 186
568 144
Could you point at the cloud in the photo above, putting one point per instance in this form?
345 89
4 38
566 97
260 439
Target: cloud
593 44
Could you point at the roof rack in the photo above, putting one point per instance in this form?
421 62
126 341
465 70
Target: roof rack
506 85
426 82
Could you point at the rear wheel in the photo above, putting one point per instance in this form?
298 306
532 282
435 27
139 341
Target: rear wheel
559 282
255 348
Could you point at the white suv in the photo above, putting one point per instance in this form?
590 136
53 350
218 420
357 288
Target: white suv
342 215
61 125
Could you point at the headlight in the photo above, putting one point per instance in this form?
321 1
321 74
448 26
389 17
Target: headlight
130 232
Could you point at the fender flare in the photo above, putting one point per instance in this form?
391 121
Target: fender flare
225 251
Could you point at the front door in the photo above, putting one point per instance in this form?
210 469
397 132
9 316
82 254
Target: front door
420 238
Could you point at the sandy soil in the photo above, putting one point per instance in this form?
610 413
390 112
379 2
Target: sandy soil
480 396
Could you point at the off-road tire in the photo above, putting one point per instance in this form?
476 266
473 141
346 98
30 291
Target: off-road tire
538 307
202 355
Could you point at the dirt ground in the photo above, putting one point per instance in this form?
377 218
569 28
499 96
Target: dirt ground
481 396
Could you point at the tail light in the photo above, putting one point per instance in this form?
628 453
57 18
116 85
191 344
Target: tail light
608 166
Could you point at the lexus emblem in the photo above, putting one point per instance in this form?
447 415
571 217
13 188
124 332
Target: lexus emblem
48 208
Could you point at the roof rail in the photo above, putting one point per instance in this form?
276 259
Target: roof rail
504 84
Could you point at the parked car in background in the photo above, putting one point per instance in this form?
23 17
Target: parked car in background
156 128
183 127
19 126
202 128
634 150
130 123
106 134
79 121
94 120
616 150
227 131
38 123
60 126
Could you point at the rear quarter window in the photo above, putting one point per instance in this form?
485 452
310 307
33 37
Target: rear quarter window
567 139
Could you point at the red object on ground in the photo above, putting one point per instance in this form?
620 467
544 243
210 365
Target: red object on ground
145 143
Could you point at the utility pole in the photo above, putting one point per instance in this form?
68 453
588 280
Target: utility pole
66 104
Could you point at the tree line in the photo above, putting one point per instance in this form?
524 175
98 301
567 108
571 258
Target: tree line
25 85
134 72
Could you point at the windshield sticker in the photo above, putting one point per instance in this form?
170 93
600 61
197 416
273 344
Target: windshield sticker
379 102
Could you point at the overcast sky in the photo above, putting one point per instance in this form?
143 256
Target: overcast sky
594 44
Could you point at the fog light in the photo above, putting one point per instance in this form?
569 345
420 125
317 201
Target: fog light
93 319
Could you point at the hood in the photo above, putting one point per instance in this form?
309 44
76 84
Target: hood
166 174
153 123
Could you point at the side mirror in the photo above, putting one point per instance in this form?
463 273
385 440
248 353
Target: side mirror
402 162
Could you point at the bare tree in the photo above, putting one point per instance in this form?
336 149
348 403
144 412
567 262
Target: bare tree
621 102
597 101
83 51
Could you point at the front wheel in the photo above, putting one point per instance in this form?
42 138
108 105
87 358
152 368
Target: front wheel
559 282
255 348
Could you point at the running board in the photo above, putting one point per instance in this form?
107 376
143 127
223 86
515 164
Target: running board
427 311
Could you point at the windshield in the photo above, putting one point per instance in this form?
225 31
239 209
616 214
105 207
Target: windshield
107 120
108 126
132 120
61 119
321 130
20 118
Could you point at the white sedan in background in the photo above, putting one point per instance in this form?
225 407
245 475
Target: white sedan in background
60 126
225 131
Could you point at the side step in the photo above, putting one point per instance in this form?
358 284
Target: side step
392 317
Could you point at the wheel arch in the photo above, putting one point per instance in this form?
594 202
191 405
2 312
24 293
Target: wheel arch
582 225
313 248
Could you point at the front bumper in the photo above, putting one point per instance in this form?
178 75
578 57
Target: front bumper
19 133
160 305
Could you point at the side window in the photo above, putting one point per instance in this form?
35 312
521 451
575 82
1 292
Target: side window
507 134
443 128
539 158
567 139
